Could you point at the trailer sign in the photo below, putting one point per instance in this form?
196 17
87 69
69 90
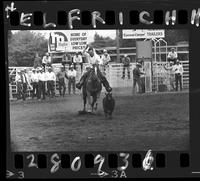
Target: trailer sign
140 33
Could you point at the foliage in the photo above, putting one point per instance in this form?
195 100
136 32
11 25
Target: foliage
100 41
22 47
171 36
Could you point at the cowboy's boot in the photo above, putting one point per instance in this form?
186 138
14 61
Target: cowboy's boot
106 84
104 81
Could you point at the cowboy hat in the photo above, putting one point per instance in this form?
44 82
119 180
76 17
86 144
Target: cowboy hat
138 64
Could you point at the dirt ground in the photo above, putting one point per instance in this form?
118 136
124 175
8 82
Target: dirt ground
140 122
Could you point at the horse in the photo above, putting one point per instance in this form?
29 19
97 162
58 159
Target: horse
91 90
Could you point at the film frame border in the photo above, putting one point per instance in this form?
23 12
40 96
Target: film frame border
194 91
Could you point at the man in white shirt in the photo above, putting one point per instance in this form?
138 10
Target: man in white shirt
77 60
41 84
93 59
28 77
34 82
25 83
18 80
46 61
105 58
61 75
172 56
71 75
170 68
51 78
178 69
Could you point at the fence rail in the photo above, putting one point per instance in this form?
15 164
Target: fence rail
114 75
160 53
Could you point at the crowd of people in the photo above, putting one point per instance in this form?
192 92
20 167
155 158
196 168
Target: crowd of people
42 79
174 67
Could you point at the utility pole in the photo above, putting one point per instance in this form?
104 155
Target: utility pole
117 39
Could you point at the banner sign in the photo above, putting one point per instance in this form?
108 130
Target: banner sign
142 33
69 41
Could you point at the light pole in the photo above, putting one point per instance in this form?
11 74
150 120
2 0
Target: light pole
117 40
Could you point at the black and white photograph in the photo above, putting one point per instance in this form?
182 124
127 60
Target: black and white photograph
99 90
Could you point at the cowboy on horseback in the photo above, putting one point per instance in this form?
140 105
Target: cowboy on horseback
93 60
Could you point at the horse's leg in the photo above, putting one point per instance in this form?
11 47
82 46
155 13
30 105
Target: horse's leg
97 99
89 101
110 115
84 103
84 98
106 114
94 102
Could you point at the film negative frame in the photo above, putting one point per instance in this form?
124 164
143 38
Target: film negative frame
88 164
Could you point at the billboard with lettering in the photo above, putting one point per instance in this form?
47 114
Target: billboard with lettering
68 41
143 33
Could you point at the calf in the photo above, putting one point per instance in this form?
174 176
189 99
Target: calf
108 104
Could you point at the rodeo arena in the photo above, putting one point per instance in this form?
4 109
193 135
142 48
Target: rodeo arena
81 98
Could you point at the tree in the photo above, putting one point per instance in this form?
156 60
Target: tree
174 36
101 42
22 48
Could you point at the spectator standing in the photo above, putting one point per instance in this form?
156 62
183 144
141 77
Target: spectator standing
28 76
46 61
171 69
51 78
25 83
34 82
105 60
142 78
38 72
126 66
77 60
178 68
136 77
37 61
61 75
172 56
41 84
71 74
66 59
18 80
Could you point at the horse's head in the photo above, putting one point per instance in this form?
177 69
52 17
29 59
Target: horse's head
94 82
95 67
94 75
